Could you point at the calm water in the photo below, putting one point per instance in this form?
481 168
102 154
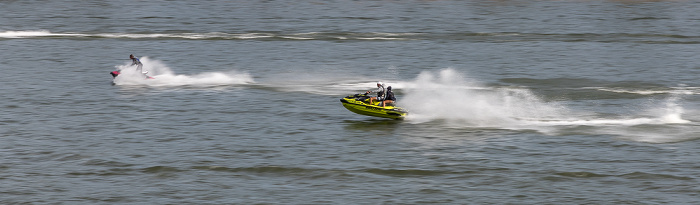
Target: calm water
511 102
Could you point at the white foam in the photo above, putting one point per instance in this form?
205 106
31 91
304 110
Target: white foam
32 34
671 112
458 101
448 95
675 90
164 76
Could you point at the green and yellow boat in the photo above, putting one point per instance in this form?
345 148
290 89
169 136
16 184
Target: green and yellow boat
359 103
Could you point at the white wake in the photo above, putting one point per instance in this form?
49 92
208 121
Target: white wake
162 75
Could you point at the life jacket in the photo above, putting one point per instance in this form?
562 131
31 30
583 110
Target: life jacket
381 91
135 61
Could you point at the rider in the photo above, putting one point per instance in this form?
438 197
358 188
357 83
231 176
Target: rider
389 99
380 93
136 61
139 66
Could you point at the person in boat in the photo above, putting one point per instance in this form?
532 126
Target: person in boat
381 91
389 99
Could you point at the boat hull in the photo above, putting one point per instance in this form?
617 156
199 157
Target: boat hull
358 104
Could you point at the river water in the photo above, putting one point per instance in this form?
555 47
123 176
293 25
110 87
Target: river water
511 102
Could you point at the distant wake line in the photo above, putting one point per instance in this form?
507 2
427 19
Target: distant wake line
374 36
214 35
672 90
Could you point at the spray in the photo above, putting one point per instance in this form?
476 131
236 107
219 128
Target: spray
446 95
164 76
457 101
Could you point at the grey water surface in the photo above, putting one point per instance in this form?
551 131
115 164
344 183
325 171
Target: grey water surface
510 101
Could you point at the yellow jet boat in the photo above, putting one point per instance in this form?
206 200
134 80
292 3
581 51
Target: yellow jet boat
359 103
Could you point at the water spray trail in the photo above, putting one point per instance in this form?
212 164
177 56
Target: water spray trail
164 76
447 95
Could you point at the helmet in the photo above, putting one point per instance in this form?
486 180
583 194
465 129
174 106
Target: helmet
379 83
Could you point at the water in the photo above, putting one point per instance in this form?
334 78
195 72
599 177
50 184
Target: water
511 102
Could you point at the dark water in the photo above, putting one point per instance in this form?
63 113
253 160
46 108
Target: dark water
511 102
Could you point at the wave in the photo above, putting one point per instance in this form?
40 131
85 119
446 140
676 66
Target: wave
215 35
374 36
282 170
672 90
633 175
